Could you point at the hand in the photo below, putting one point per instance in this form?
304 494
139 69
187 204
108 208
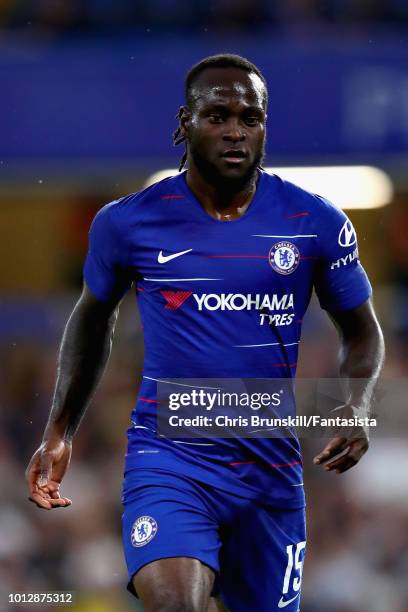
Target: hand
45 473
345 449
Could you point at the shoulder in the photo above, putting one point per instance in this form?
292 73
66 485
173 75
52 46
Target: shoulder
323 211
129 210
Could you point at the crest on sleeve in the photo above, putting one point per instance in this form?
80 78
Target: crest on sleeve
347 235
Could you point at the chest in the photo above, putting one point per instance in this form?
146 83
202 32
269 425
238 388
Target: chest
245 255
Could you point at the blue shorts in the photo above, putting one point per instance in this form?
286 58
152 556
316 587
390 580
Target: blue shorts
256 551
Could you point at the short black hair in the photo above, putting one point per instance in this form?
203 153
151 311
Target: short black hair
222 60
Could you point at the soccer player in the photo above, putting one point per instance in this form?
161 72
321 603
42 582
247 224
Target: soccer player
223 258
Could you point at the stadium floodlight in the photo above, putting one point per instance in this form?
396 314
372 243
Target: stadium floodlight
349 187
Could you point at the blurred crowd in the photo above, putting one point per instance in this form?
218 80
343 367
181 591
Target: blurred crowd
74 16
358 523
76 549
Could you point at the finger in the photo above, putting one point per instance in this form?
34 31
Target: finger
56 495
60 502
31 476
342 465
53 489
346 466
356 450
53 486
39 501
32 487
48 498
53 497
335 446
41 496
49 504
338 462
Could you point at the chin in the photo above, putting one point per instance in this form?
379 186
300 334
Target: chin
223 176
237 174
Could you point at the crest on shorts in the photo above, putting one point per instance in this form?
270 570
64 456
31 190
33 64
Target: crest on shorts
284 257
143 531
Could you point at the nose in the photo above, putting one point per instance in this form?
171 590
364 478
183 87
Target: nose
233 131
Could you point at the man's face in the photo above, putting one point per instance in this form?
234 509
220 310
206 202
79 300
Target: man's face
225 128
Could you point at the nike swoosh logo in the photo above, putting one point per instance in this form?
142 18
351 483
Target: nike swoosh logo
285 602
165 258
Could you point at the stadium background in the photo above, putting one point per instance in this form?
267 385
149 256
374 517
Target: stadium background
89 91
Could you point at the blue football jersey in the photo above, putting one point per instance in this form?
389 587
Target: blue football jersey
223 299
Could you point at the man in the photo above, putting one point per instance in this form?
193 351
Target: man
224 258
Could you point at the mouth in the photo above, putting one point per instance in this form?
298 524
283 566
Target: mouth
234 156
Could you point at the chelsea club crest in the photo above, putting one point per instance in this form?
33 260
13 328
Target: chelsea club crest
284 257
143 530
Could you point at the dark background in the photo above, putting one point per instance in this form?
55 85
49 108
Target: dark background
88 96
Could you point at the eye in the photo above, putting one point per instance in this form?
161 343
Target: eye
215 118
251 121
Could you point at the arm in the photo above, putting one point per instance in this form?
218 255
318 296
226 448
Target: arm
85 348
361 360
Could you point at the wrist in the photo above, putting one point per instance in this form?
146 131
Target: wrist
56 432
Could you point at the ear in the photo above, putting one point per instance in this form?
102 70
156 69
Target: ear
184 115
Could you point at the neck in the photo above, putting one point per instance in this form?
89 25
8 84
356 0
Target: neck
223 202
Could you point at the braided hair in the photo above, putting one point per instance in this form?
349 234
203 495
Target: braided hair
178 138
222 60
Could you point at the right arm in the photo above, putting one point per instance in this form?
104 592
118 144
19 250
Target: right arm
84 351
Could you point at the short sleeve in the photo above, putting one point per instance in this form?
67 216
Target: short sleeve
106 271
341 282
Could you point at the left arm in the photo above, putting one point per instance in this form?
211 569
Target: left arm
361 360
